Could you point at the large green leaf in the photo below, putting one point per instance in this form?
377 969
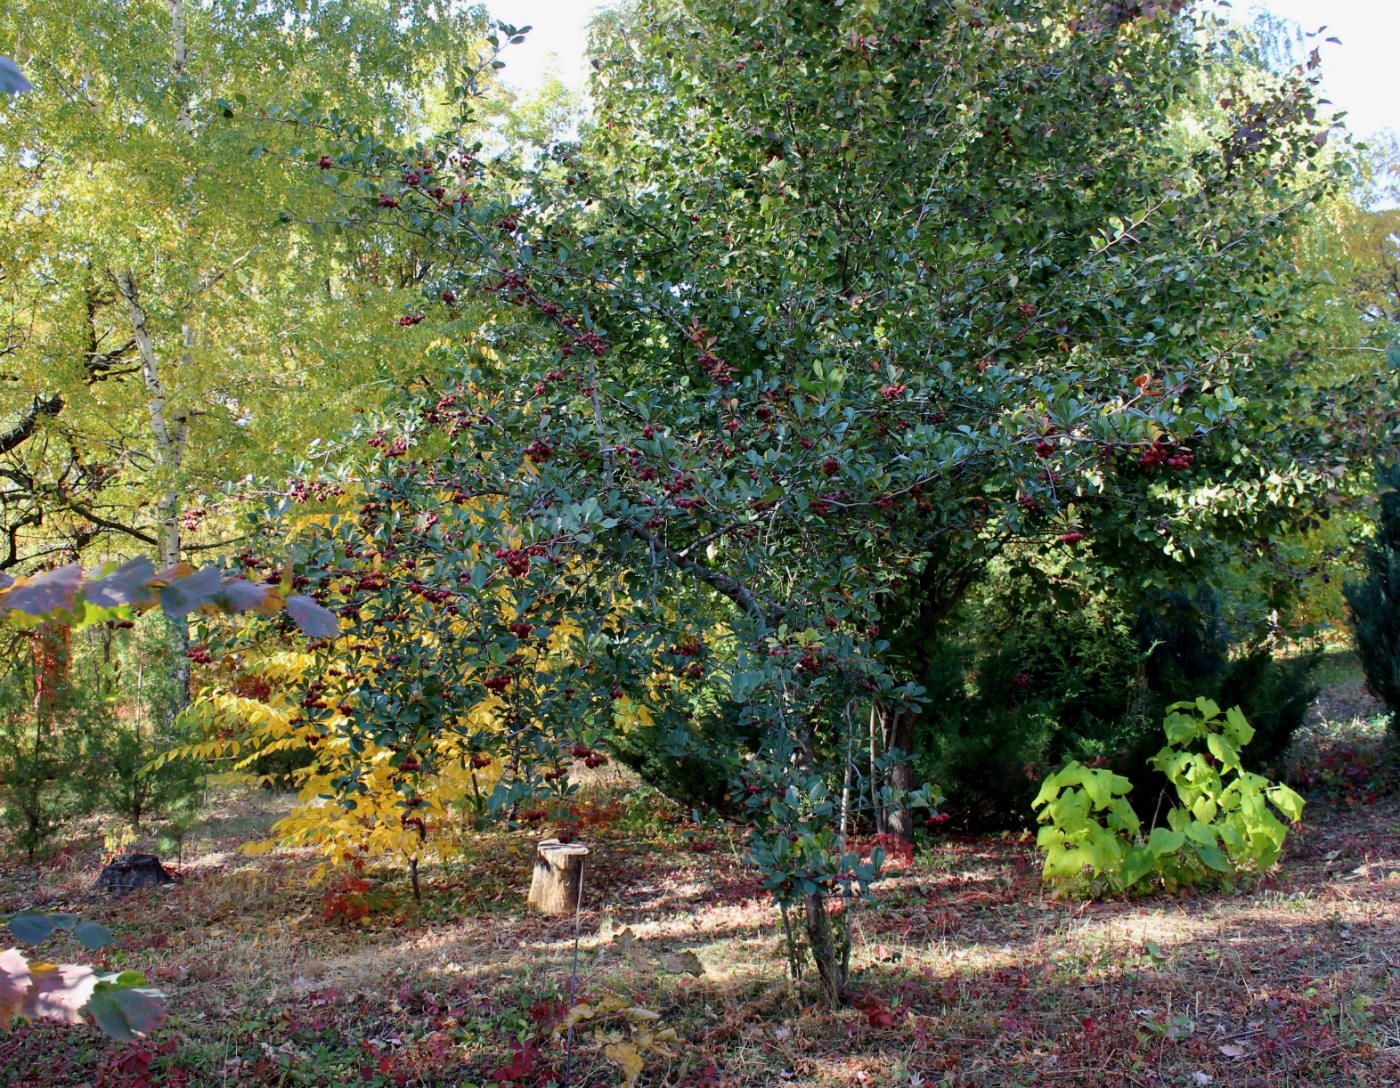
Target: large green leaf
91 935
1163 841
1212 858
125 1008
32 927
1288 802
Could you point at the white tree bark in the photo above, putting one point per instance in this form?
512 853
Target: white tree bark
171 439
179 61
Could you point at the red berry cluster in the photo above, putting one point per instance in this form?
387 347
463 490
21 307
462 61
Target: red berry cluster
589 342
312 699
301 491
517 560
1160 453
717 368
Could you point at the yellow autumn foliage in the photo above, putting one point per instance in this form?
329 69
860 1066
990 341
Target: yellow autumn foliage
368 824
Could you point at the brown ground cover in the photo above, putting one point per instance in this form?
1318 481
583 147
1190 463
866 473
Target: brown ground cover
968 974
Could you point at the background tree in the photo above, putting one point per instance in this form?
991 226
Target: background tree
163 342
1375 599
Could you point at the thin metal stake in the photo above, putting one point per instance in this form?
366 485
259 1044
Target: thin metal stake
573 981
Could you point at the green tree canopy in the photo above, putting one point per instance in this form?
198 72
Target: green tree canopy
827 306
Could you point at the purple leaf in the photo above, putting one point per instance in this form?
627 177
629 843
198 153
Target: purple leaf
316 621
241 595
44 594
128 584
12 80
184 595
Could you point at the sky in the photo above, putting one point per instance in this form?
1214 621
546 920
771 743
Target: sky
1359 75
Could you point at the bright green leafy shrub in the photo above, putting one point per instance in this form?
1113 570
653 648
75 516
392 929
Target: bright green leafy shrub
1222 826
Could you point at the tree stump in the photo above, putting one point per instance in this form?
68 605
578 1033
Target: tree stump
132 871
558 881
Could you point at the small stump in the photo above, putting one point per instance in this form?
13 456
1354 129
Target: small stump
558 878
132 871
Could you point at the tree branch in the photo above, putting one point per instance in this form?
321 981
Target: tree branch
17 434
753 603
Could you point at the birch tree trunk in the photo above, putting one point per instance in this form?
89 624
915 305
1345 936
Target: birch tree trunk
170 436
179 62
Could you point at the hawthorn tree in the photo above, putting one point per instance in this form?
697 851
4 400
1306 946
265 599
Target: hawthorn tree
827 307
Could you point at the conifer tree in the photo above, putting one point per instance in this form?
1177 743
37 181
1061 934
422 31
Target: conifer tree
1375 599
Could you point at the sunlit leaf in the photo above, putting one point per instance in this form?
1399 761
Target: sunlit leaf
59 992
626 1058
14 983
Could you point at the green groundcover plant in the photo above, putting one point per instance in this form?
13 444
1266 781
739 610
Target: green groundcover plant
1224 824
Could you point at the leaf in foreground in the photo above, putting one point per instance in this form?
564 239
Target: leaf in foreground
124 1008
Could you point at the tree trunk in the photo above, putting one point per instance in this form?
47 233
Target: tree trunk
171 437
52 663
897 737
830 975
179 62
557 884
877 806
